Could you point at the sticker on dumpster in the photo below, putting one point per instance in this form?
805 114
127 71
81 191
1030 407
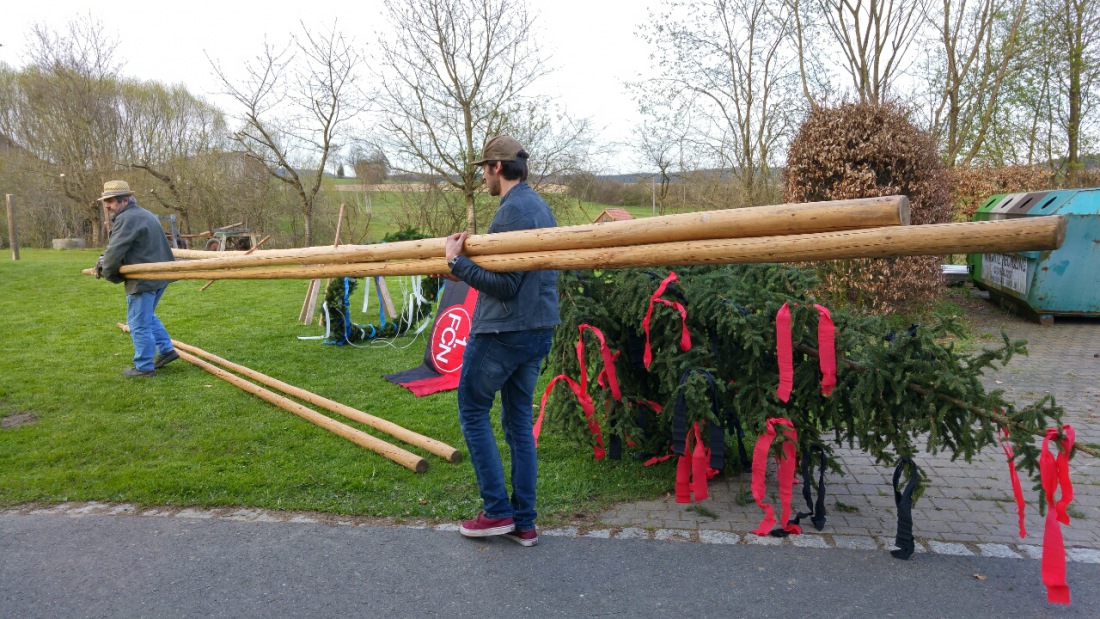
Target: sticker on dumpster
1004 271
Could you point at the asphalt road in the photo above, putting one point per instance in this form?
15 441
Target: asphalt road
110 566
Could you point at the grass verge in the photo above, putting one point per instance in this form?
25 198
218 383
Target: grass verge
77 430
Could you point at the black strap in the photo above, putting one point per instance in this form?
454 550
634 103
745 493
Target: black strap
904 501
614 443
817 509
739 432
679 421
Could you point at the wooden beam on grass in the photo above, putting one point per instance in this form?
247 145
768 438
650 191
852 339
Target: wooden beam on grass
431 445
401 456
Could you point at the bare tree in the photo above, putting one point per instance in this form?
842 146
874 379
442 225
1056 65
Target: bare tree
295 103
661 142
66 115
873 37
455 73
731 61
170 134
979 47
1077 35
371 165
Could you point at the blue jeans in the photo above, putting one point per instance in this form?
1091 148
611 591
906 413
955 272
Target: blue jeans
507 363
146 330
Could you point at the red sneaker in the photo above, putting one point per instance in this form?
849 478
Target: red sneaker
530 537
485 527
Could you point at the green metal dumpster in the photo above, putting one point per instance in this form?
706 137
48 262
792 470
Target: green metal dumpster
974 261
1042 285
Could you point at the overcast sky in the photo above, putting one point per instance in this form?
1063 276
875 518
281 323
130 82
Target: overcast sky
593 44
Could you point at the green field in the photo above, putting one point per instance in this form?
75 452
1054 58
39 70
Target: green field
80 431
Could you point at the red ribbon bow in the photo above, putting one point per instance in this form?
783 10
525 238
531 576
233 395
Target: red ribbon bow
685 337
580 389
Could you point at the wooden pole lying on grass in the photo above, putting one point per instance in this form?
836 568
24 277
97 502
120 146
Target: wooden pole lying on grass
757 221
999 236
405 458
438 448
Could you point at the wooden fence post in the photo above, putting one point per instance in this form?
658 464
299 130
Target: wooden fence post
13 234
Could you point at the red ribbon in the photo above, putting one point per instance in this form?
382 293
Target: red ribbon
826 349
784 349
580 389
685 337
786 474
608 372
693 468
586 405
1054 472
1017 491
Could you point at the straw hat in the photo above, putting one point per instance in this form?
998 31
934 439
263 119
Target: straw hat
114 189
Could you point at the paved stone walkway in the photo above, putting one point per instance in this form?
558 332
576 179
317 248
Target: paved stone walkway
968 507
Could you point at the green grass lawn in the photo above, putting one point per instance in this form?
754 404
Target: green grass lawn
187 438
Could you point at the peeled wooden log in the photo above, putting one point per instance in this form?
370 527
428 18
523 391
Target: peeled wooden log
403 434
999 236
205 254
731 223
405 458
419 440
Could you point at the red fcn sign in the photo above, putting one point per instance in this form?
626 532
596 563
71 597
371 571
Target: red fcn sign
449 335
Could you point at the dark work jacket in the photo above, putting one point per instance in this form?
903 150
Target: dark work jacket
520 300
136 238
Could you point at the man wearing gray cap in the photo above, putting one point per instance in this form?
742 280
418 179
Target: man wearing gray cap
513 325
137 238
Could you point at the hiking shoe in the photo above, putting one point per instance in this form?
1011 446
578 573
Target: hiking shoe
137 372
165 359
530 537
485 527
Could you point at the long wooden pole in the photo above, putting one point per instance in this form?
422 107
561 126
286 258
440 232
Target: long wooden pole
251 250
999 236
731 223
431 445
405 458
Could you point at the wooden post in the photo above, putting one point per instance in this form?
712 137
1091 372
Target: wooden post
387 300
13 233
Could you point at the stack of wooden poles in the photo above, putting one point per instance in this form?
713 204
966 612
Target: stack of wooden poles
221 368
807 232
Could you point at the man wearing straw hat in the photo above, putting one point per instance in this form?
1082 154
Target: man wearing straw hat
137 238
512 327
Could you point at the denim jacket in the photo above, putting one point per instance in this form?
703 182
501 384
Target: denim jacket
520 300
